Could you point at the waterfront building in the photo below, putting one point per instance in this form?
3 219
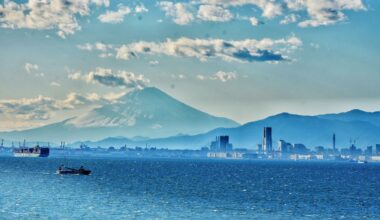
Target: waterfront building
368 151
300 157
283 146
354 150
225 155
300 149
377 149
260 148
375 158
320 150
267 140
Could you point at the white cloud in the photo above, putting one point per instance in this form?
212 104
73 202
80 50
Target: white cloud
101 2
154 62
288 19
318 12
179 76
31 67
315 45
110 78
101 46
75 76
324 12
106 55
269 8
43 107
178 11
224 76
200 77
156 126
115 17
55 84
254 21
140 9
60 15
85 46
98 46
219 76
214 13
249 50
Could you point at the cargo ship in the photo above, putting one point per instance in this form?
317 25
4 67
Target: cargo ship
36 151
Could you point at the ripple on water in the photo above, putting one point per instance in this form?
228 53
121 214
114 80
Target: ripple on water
175 189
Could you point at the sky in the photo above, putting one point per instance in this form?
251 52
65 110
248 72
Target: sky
241 59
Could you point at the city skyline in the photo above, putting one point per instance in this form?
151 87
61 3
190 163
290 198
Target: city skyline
60 59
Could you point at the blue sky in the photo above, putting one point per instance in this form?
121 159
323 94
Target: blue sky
244 59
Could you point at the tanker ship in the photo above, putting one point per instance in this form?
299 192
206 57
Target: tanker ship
36 151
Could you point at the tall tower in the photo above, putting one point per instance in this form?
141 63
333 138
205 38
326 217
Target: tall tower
223 142
267 140
334 142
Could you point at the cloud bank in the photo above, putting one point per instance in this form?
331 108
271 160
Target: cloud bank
180 12
219 76
313 13
60 15
249 50
214 13
43 107
115 17
29 67
110 78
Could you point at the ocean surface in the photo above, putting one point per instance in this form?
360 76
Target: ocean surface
188 189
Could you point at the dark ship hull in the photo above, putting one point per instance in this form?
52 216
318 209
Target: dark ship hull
71 171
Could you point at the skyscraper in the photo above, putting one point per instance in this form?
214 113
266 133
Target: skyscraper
267 140
282 146
221 144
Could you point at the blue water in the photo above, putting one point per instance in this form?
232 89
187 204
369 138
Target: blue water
188 189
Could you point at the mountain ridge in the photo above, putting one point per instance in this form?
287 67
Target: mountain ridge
147 112
310 130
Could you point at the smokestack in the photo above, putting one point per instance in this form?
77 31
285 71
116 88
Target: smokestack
334 142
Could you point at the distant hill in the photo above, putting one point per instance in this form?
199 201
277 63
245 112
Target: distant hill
309 130
355 115
148 112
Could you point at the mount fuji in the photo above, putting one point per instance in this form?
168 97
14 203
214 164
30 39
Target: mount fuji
146 113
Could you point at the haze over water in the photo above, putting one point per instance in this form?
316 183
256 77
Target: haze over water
188 189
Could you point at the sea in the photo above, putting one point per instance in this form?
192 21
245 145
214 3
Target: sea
142 188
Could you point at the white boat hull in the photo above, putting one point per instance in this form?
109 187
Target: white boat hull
26 155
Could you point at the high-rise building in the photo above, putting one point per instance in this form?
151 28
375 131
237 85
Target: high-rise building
223 140
377 149
283 146
267 140
221 144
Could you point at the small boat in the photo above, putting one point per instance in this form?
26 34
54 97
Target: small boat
362 161
71 171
